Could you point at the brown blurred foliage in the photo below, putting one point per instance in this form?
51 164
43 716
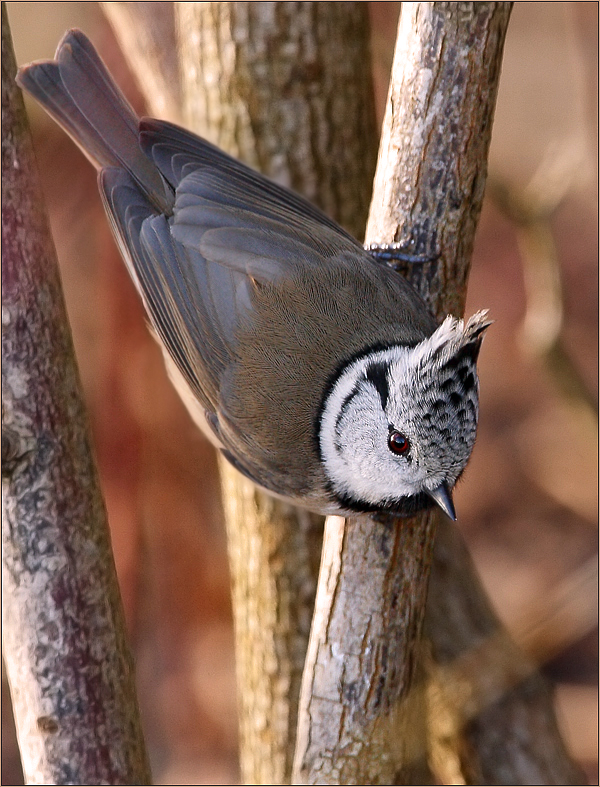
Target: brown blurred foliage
528 504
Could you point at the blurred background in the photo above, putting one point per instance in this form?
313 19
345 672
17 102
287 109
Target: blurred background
528 504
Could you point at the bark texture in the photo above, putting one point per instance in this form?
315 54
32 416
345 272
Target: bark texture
67 658
432 167
427 195
274 558
283 87
491 714
362 709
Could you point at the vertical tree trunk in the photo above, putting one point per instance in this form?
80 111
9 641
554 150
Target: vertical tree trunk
362 716
287 88
67 658
428 192
284 87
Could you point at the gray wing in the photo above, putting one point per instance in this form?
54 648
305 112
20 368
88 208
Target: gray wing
178 153
217 217
237 223
196 292
189 301
231 232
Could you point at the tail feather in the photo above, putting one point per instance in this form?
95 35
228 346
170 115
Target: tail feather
79 93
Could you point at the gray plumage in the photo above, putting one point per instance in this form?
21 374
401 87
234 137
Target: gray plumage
263 303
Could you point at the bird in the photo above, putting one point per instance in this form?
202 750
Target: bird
311 364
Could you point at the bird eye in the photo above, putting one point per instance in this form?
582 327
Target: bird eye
398 443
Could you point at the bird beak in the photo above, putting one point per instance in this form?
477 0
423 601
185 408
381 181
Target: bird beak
443 498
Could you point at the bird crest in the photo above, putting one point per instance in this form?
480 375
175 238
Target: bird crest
451 341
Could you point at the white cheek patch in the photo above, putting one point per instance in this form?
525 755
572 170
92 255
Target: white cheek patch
353 438
428 392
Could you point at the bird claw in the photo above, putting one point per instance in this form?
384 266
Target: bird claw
395 254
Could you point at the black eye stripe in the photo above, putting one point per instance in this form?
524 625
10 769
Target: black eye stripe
377 375
345 405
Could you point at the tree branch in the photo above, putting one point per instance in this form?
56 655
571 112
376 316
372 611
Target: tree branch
67 658
146 32
281 86
362 711
491 713
427 195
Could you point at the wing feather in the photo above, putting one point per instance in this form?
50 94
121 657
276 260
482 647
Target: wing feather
179 153
193 304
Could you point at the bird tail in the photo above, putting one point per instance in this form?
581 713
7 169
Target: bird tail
77 90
